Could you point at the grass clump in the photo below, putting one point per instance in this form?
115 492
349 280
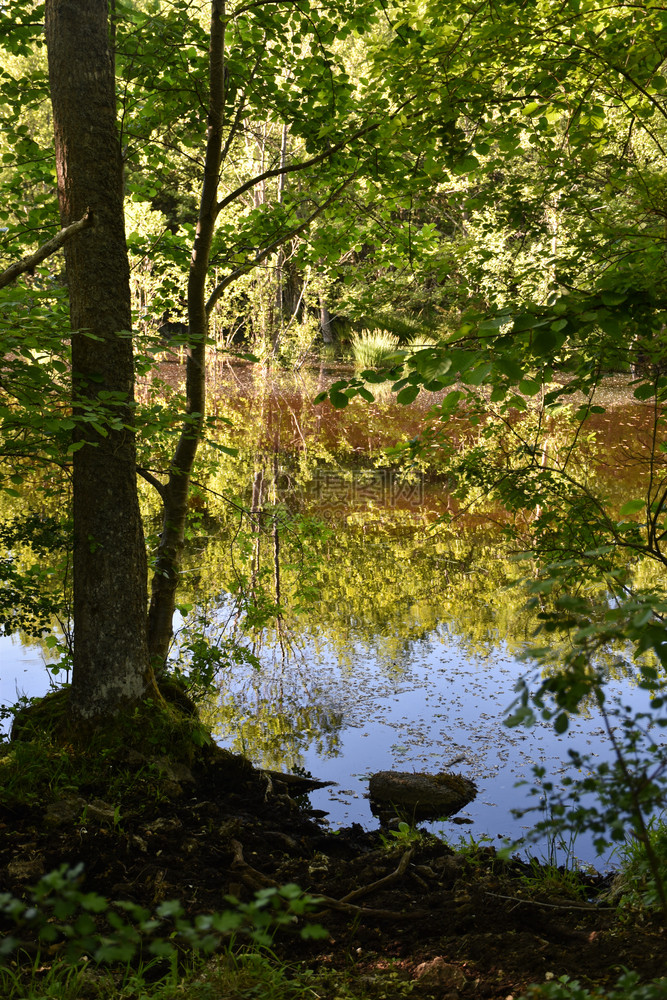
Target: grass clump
371 348
45 760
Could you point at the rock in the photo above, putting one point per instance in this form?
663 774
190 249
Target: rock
72 809
438 976
26 869
163 825
101 811
419 796
65 811
173 770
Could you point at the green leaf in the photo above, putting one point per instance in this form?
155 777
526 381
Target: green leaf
477 375
407 395
373 377
561 723
533 108
546 342
510 368
526 321
314 932
632 507
466 165
431 364
529 387
338 399
613 298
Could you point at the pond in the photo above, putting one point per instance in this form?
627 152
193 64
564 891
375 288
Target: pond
362 619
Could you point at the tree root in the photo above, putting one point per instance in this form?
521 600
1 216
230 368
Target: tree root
256 880
364 890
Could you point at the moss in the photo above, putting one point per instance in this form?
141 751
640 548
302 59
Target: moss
176 696
50 755
457 783
43 718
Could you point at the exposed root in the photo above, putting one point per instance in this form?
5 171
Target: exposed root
256 880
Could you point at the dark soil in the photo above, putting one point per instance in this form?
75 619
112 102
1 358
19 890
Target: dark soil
486 928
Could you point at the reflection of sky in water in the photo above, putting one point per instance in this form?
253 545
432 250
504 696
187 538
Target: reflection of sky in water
22 671
441 704
432 703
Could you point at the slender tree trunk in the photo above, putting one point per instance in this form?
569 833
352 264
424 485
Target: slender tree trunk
175 492
325 322
111 663
279 324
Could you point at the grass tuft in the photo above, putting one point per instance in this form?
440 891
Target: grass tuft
371 348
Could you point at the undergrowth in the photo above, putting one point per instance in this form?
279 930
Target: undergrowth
44 760
62 936
628 987
635 883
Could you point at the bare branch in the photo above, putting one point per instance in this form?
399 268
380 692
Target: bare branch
46 250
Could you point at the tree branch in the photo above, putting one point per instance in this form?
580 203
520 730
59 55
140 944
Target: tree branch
46 250
313 161
263 254
153 480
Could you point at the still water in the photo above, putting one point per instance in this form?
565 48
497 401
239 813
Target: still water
396 635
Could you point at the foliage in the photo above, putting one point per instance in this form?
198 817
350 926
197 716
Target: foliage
550 881
628 987
404 836
512 203
617 797
33 573
635 882
84 925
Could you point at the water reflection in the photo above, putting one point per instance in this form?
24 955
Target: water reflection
386 636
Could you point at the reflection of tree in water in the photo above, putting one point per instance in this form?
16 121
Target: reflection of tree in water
274 713
274 728
334 588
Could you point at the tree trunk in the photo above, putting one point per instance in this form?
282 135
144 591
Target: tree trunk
111 665
175 491
325 322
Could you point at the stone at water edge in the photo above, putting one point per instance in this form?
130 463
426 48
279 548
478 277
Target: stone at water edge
426 796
